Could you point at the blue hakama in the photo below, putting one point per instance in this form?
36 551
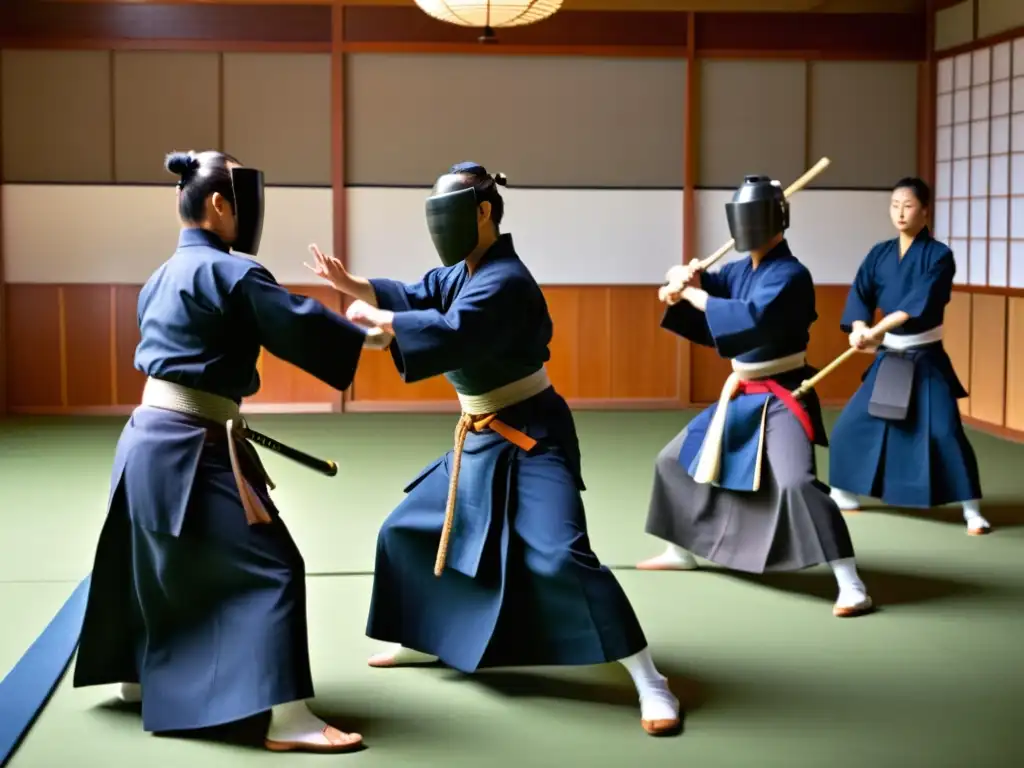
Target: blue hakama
522 585
204 610
925 459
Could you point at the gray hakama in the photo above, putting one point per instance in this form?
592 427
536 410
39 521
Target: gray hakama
790 523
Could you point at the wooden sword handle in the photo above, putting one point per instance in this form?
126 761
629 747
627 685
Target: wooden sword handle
791 190
812 382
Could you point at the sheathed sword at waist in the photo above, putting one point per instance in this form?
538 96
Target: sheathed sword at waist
323 466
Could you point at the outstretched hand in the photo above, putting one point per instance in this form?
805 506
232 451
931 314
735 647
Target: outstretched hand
328 268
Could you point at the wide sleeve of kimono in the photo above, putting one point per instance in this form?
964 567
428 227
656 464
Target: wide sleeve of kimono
396 296
930 291
429 342
683 319
740 325
862 299
300 330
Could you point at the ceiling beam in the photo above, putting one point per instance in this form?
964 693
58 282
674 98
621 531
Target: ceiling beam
739 6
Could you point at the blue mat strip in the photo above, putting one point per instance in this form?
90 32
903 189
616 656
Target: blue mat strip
29 685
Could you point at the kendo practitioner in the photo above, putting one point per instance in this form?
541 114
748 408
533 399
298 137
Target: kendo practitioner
738 486
900 438
487 562
197 603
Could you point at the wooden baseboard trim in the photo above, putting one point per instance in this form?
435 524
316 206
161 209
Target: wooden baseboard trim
125 410
452 406
996 430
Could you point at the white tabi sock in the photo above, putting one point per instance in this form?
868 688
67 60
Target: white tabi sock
972 515
675 557
398 655
294 722
851 589
656 700
130 693
844 499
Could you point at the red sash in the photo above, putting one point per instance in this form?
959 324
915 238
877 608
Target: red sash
770 387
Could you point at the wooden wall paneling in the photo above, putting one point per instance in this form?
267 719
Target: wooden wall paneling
1015 364
34 359
988 358
126 338
87 347
957 341
589 350
643 358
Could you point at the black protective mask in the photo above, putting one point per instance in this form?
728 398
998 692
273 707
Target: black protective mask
452 219
757 212
247 185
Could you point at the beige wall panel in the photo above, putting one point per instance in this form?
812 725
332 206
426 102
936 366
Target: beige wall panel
864 118
995 16
955 25
163 101
558 121
277 115
56 116
753 119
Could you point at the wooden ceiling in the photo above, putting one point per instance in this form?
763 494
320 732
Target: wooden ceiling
790 6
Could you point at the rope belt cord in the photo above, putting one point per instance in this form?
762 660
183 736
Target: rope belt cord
493 401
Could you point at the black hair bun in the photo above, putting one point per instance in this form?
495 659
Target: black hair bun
500 179
181 163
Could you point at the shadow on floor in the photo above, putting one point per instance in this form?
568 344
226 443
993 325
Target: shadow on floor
1001 514
531 683
887 587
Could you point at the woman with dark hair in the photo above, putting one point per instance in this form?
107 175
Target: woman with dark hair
500 520
197 601
900 437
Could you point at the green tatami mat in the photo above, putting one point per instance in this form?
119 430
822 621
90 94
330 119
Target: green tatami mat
767 675
54 481
769 679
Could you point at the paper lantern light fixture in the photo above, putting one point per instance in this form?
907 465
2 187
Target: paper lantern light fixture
490 14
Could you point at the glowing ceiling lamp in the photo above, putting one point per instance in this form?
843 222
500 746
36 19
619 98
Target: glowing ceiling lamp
490 14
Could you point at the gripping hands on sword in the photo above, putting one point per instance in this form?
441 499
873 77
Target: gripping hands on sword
678 278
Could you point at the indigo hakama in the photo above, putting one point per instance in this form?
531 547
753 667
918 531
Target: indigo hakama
920 457
207 612
743 492
521 585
